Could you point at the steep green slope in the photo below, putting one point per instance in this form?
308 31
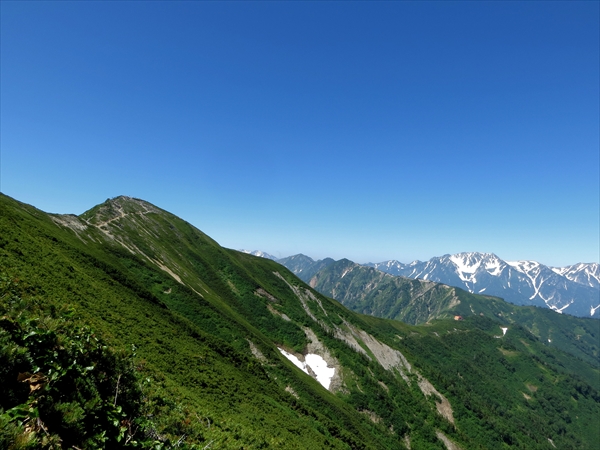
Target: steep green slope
207 379
208 324
522 391
71 390
369 291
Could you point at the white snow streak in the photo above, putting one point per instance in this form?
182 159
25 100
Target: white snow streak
560 310
527 268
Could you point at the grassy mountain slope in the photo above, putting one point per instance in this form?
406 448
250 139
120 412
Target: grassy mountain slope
207 323
195 360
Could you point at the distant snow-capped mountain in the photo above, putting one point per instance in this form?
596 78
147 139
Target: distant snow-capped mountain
586 274
260 254
573 289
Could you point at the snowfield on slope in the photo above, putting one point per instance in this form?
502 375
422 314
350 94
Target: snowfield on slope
315 363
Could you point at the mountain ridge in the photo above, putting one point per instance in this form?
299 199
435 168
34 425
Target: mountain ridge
519 282
209 325
574 289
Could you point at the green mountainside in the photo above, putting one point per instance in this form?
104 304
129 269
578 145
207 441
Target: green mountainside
369 291
180 344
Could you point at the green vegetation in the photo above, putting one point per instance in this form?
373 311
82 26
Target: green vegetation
61 386
519 388
206 324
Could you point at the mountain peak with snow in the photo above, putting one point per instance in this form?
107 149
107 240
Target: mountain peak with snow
260 254
582 273
574 289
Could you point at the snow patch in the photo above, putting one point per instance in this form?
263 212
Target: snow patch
295 361
504 330
463 265
259 253
465 268
318 365
315 363
493 267
560 310
523 266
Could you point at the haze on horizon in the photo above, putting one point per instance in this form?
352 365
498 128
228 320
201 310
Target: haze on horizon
367 131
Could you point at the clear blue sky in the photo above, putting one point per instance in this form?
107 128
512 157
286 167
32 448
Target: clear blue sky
364 130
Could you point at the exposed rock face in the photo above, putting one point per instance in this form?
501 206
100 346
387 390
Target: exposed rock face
315 346
371 415
256 352
385 355
69 220
443 406
447 442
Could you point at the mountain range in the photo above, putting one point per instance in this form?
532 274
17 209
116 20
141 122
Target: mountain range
573 289
127 327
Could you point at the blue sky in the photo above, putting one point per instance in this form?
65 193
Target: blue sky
366 130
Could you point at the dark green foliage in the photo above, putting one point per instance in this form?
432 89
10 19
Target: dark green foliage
62 386
514 384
